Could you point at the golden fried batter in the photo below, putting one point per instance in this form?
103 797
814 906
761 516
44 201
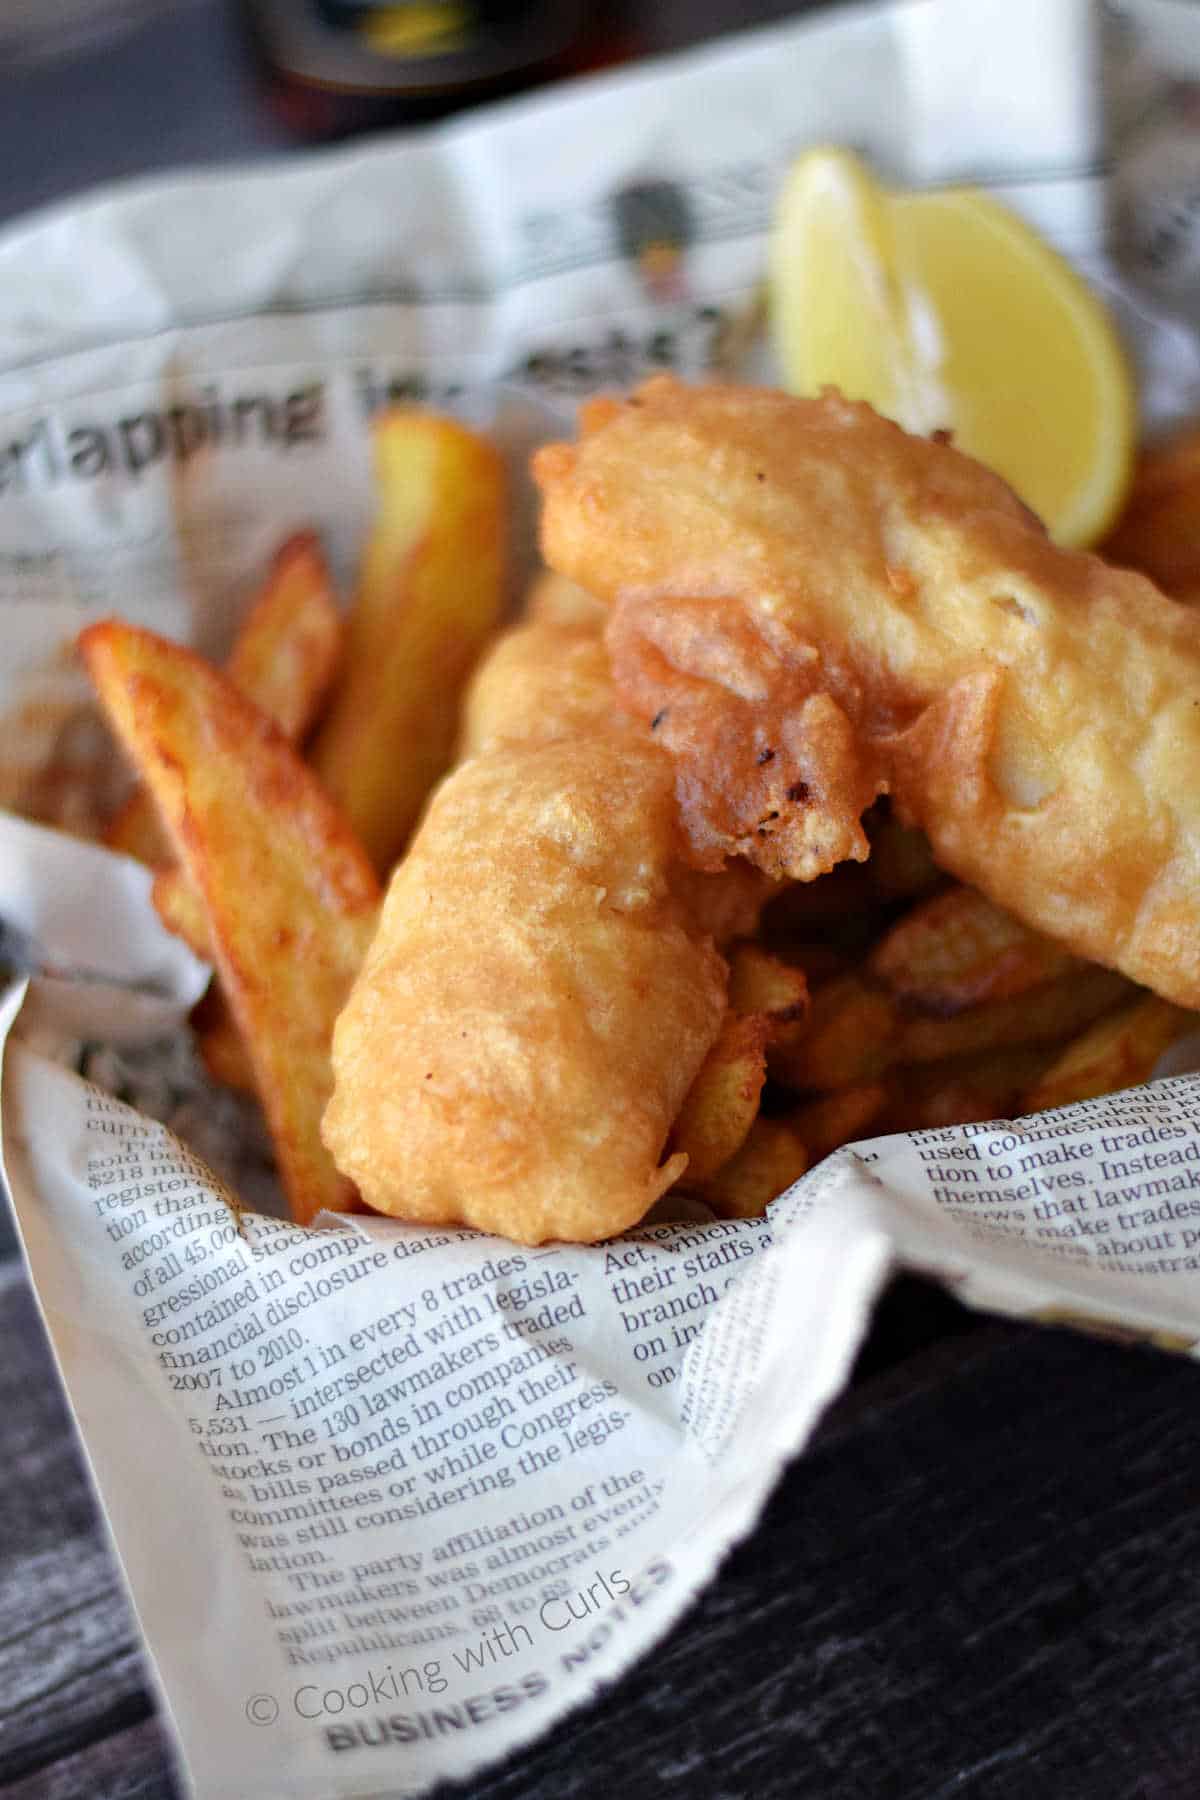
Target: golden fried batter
539 681
536 1002
549 678
1036 711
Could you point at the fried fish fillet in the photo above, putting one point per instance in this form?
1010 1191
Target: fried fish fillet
834 608
544 985
535 1004
550 678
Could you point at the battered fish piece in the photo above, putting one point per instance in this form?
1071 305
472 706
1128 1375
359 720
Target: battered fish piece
1034 710
542 680
535 1004
550 678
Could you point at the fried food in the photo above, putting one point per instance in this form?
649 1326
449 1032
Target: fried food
818 607
542 680
1159 530
430 592
290 897
283 659
958 949
1117 1052
767 985
857 1031
536 1004
544 1002
554 600
963 1089
549 678
771 1159
842 1117
722 1103
289 645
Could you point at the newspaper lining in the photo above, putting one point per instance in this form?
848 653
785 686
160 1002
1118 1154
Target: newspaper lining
420 1493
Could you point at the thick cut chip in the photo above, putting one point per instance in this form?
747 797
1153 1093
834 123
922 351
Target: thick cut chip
1042 1016
430 593
1159 531
824 1125
765 986
849 1039
291 899
762 983
959 949
771 1159
180 906
289 645
283 659
1117 1052
963 1090
857 1031
722 1103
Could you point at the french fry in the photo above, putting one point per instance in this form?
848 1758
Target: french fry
1047 1014
771 1158
824 1125
181 909
283 659
430 592
290 895
963 1090
1117 1052
1159 530
848 1041
289 646
957 949
767 985
134 830
722 1103
857 1031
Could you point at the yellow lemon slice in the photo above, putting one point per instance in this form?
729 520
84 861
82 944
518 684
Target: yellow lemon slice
944 310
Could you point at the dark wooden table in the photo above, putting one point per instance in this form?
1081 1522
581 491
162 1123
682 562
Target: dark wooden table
982 1580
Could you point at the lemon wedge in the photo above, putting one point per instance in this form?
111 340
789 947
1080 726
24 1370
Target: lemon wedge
944 310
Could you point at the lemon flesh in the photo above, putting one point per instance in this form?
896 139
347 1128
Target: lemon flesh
946 311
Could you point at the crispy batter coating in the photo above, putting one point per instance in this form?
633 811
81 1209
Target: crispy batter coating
1036 711
549 678
541 680
770 766
535 1005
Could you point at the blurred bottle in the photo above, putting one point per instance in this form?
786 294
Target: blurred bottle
330 67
